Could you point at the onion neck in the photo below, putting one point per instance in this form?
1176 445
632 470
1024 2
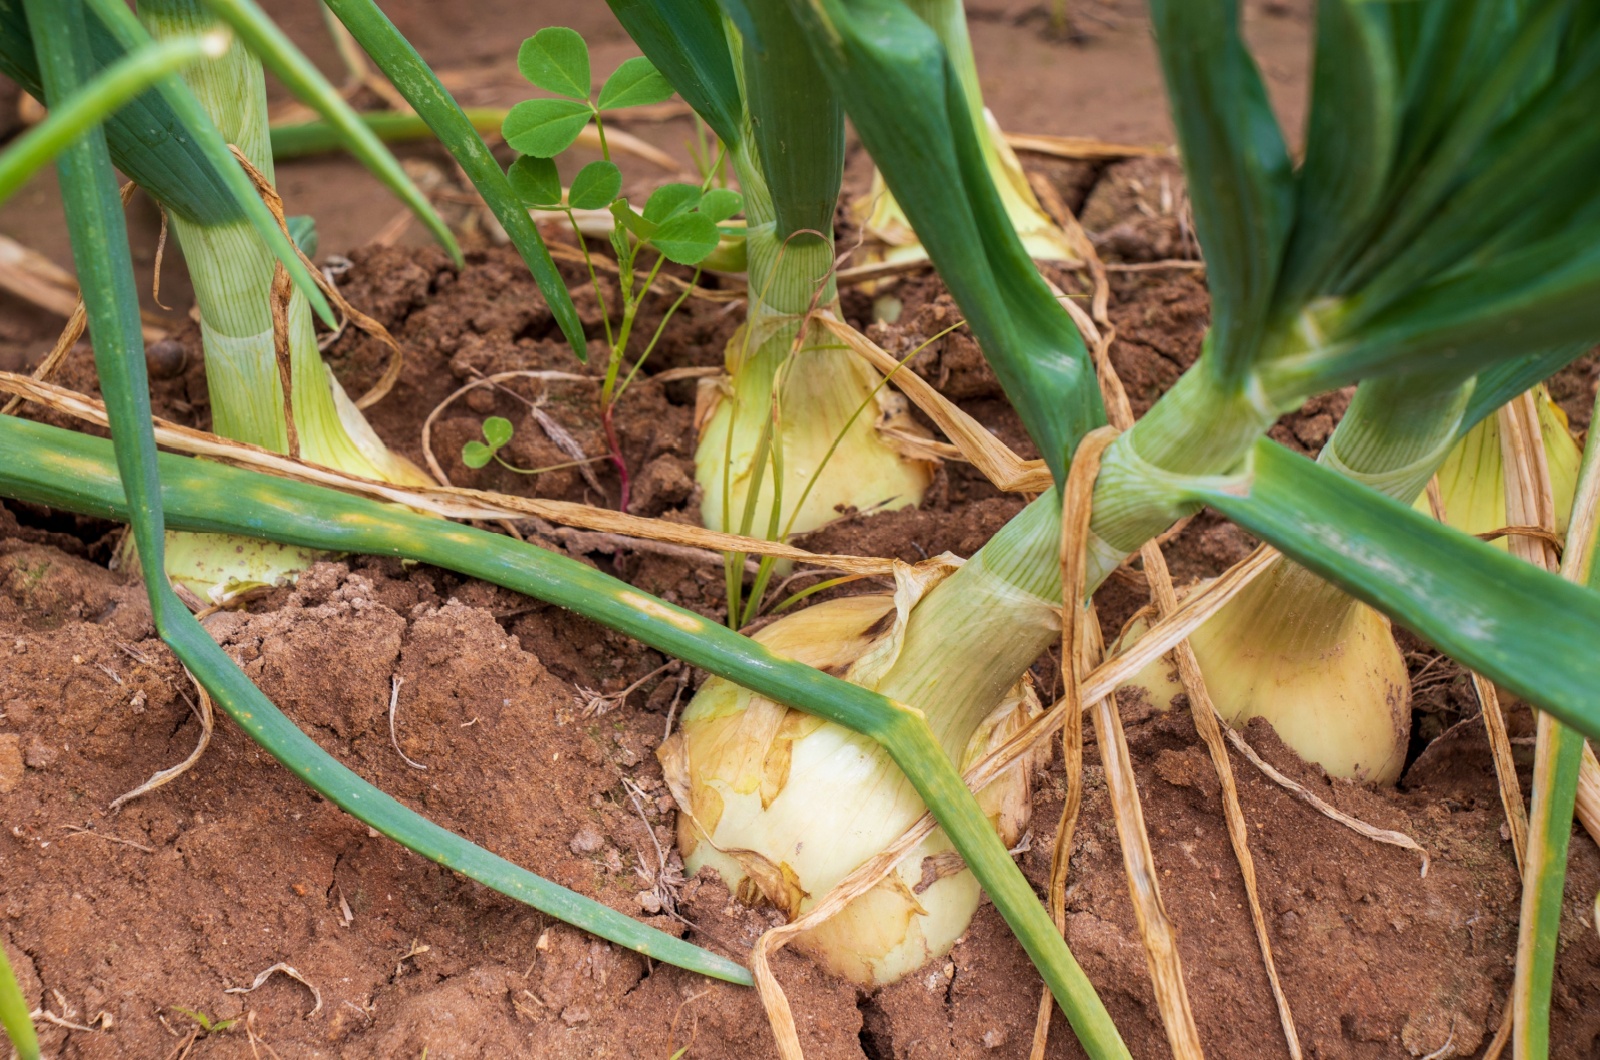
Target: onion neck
977 632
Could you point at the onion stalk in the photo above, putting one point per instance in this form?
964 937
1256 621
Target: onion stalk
889 230
232 272
795 429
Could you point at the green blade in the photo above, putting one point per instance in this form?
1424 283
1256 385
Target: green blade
99 241
299 139
291 67
1504 380
686 41
910 110
795 118
1558 760
162 139
1438 172
1545 295
141 135
1351 138
1479 605
400 62
73 472
1240 180
14 1018
108 91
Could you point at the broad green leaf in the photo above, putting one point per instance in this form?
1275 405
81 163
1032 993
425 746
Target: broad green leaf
636 83
557 60
458 131
475 454
595 186
719 204
163 140
545 127
535 181
687 42
1241 184
686 238
92 104
1546 296
669 200
629 219
147 137
497 431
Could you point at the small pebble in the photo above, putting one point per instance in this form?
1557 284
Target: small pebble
587 841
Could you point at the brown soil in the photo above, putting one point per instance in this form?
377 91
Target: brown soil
201 885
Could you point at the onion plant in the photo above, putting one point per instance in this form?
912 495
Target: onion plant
59 46
1414 249
792 434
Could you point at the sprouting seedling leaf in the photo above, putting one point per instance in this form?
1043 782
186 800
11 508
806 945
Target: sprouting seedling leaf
208 1025
545 127
686 238
557 60
670 200
595 187
719 204
630 219
636 83
497 432
535 181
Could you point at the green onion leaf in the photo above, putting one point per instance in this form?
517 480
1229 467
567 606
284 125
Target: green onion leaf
100 252
290 66
91 104
535 181
595 187
557 60
686 41
1241 183
635 83
458 131
545 127
1481 606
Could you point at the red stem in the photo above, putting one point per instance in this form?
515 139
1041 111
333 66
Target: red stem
616 457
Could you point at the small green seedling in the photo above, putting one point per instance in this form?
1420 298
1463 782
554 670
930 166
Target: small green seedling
680 223
208 1025
497 432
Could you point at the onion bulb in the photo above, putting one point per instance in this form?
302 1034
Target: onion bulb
1319 665
847 440
784 805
